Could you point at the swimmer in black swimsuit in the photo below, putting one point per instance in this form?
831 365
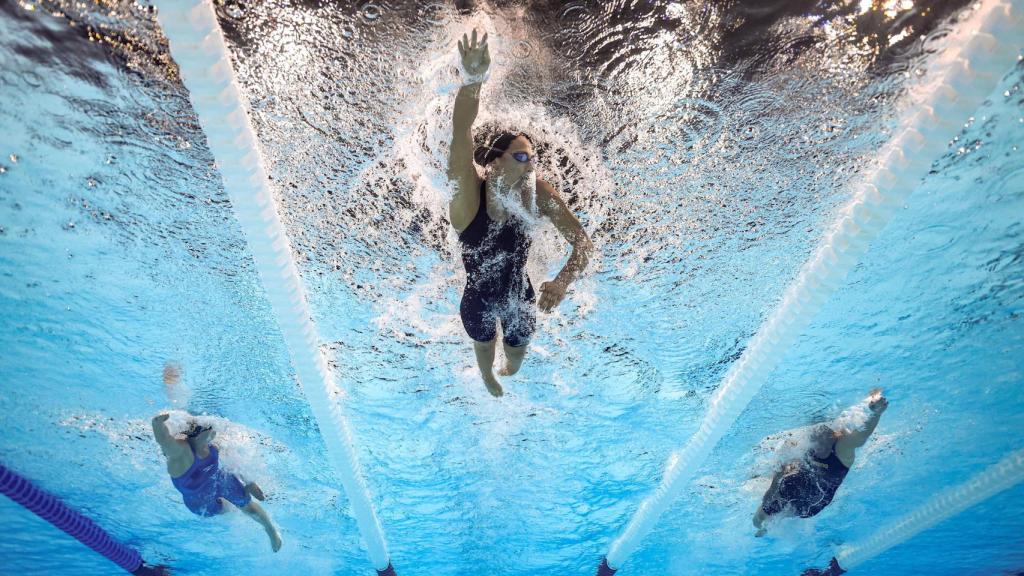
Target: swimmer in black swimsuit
806 486
491 216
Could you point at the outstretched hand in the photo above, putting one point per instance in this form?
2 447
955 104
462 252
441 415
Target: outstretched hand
172 374
476 58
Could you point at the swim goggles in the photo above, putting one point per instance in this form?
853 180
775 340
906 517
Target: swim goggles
197 429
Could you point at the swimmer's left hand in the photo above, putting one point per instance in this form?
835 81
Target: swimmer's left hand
551 295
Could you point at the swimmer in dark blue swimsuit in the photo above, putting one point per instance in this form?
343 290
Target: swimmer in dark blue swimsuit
194 465
804 487
492 218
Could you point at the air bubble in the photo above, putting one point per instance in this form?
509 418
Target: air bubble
370 13
32 79
434 13
522 49
235 11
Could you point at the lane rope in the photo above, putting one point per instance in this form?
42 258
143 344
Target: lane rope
981 49
198 47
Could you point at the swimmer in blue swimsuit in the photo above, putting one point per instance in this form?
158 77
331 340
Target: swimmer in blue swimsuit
804 487
194 465
492 217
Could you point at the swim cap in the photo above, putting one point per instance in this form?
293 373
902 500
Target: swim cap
195 429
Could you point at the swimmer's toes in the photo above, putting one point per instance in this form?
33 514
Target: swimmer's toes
494 388
275 541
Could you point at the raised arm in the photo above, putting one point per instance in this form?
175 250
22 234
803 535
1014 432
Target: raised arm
848 443
466 200
172 447
553 208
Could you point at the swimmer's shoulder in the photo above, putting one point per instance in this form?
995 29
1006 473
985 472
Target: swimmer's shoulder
547 195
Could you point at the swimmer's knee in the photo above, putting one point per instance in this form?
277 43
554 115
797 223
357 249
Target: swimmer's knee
519 347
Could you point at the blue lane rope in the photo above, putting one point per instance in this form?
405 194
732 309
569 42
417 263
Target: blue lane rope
50 508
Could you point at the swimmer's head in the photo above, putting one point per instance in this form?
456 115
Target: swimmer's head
508 155
823 433
197 431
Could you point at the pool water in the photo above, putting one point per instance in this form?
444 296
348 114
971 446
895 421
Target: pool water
705 147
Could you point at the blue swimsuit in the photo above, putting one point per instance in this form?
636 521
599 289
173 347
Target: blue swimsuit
204 482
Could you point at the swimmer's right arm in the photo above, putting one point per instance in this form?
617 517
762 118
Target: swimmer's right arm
476 59
168 443
848 443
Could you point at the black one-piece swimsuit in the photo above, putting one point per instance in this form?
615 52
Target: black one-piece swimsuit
809 489
497 286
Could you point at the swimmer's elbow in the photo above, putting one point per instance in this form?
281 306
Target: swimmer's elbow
584 247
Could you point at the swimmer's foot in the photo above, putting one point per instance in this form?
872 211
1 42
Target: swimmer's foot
275 540
255 491
493 386
760 532
508 370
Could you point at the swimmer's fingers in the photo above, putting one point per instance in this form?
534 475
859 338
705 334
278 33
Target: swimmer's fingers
472 46
545 303
462 49
542 302
550 296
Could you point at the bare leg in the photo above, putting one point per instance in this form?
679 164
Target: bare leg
257 513
513 359
485 361
760 516
255 491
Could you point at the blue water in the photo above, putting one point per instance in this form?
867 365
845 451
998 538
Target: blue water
708 148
